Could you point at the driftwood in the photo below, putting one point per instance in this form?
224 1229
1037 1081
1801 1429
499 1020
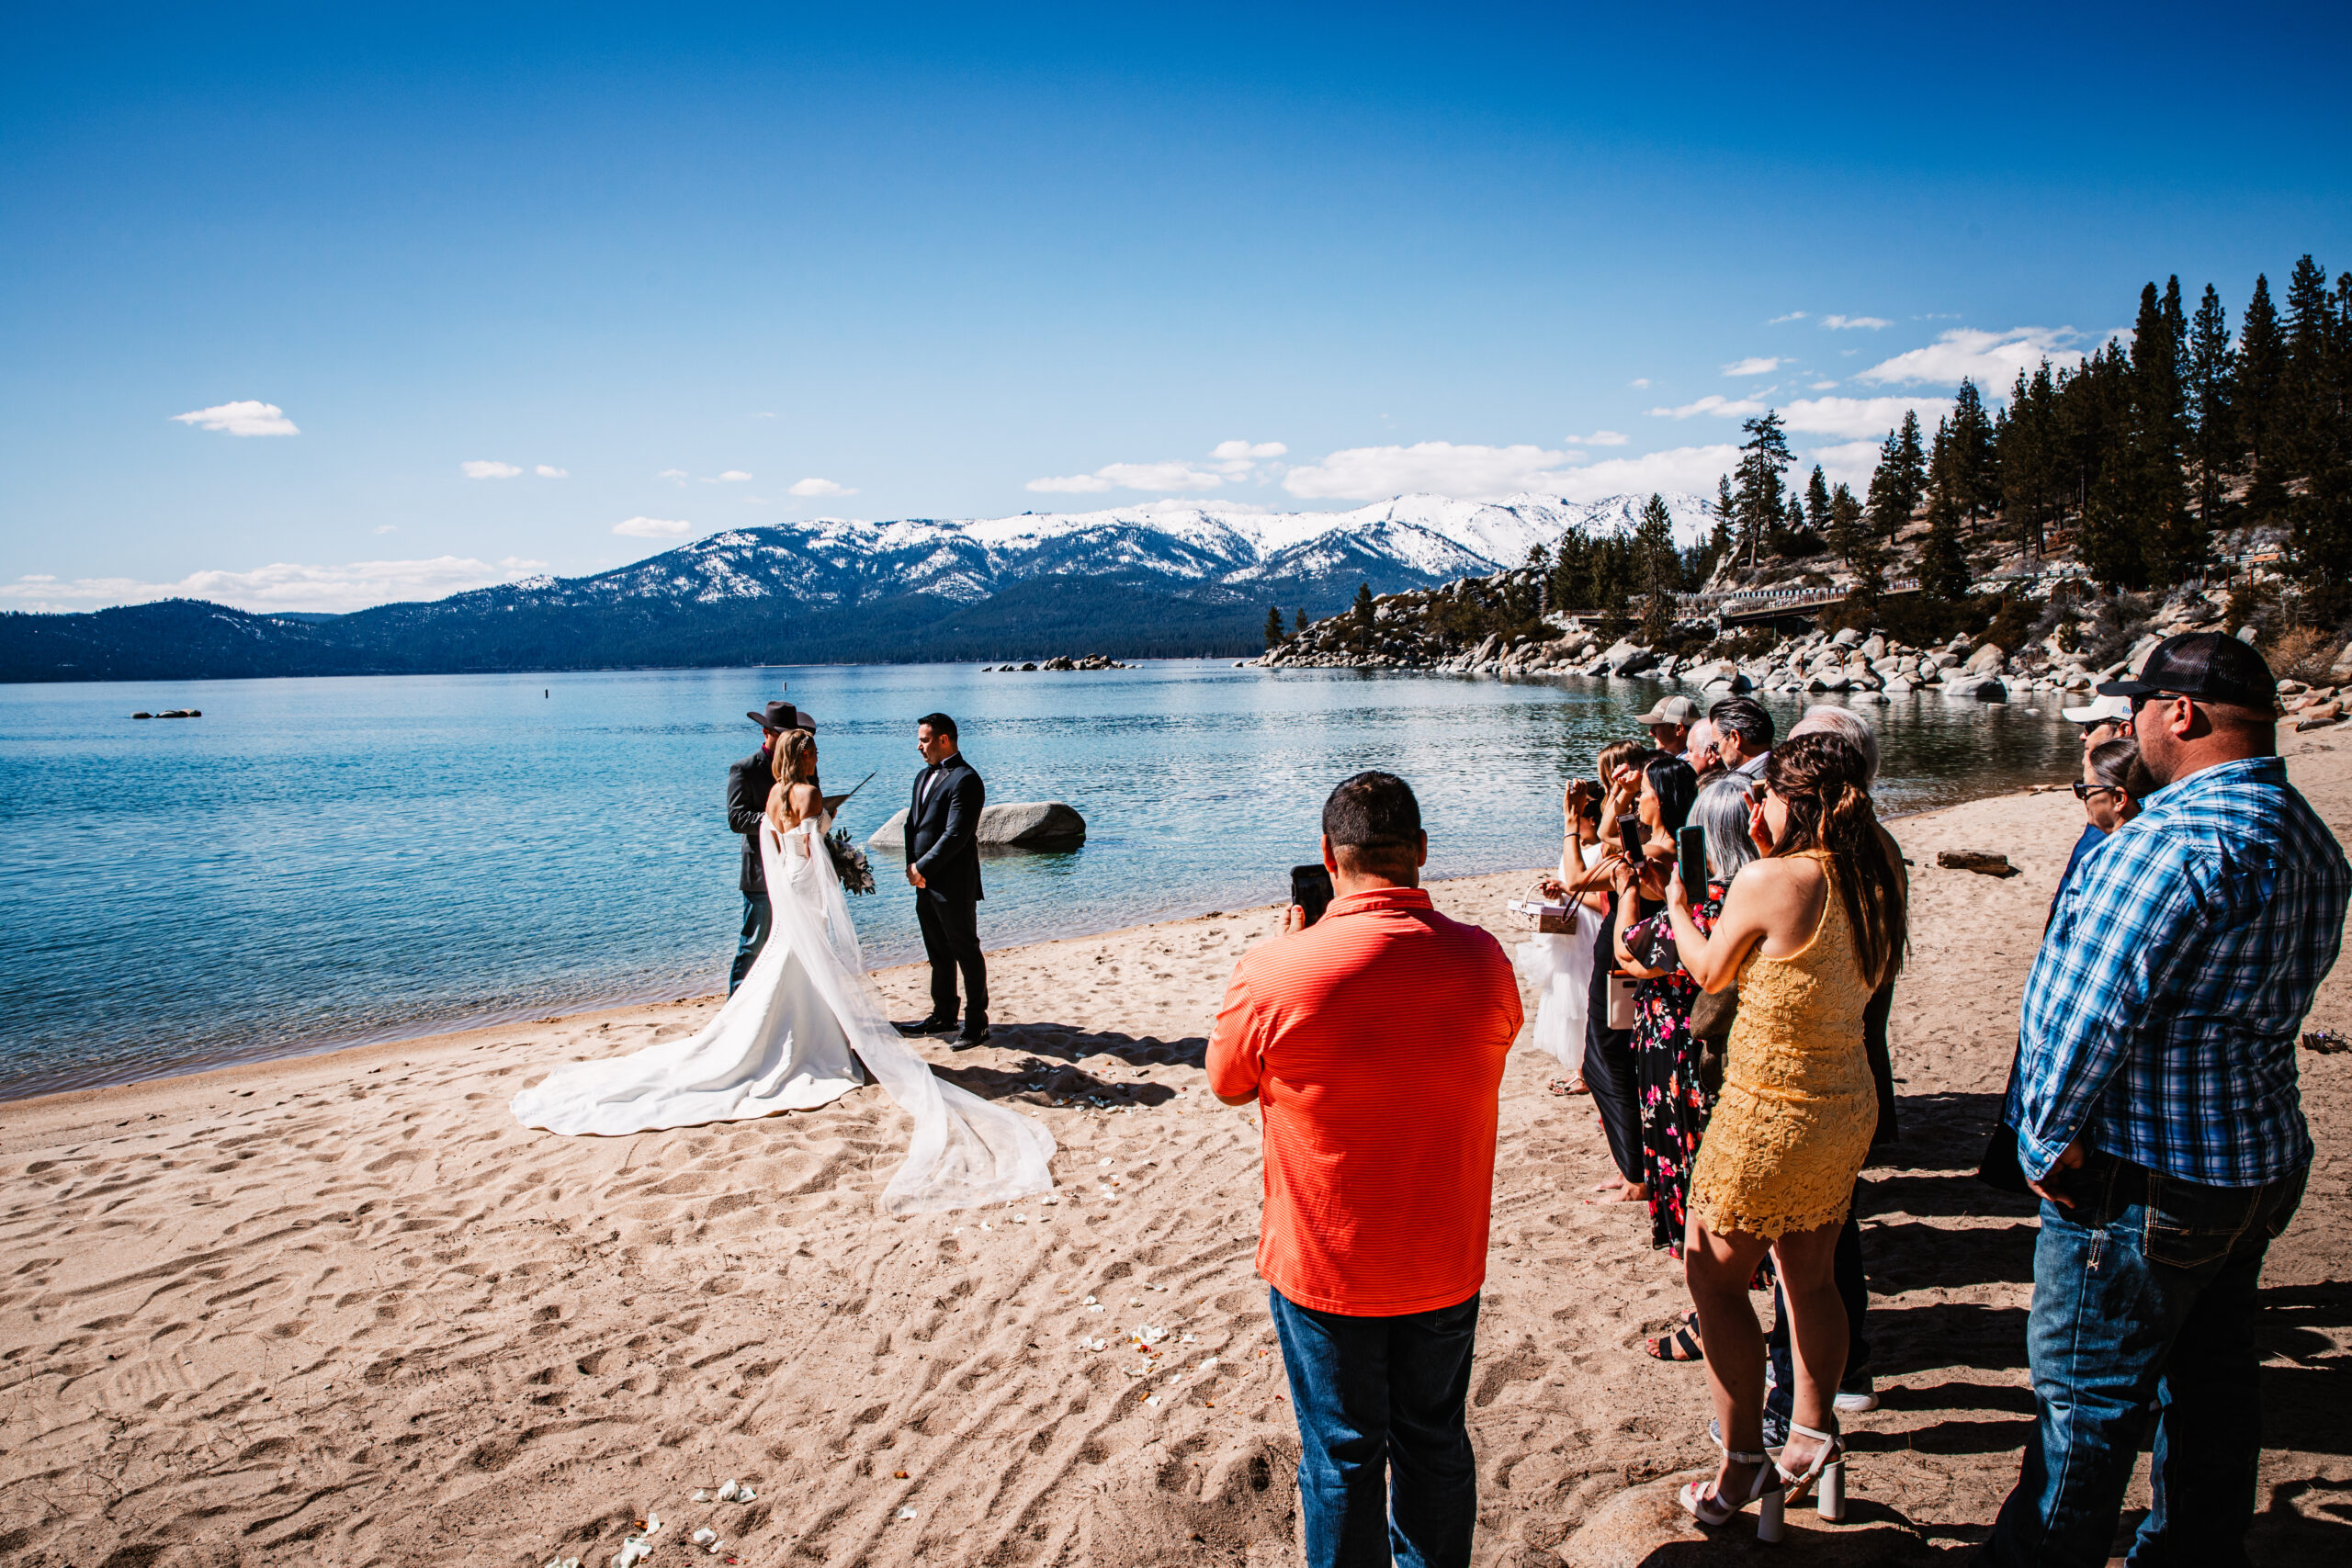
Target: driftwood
1981 860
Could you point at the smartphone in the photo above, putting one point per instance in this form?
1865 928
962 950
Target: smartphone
1310 890
1629 829
1690 853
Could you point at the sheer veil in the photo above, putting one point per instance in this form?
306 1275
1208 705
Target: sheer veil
965 1150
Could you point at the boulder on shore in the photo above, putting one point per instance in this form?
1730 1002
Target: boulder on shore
1022 825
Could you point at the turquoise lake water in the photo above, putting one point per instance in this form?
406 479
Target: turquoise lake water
318 862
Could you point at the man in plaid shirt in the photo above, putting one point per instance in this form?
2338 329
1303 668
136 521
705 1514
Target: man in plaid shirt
2159 1118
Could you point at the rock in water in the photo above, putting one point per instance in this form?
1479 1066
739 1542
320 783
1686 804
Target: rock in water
1024 825
1032 825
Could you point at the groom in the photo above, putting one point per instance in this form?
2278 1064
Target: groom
943 868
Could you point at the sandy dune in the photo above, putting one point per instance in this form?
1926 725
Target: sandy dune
343 1309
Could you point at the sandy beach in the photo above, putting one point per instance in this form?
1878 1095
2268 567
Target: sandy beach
343 1309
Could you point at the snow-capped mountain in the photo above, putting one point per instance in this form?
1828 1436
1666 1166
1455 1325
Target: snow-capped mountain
1150 581
1200 551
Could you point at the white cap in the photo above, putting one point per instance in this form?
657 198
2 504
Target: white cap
2102 710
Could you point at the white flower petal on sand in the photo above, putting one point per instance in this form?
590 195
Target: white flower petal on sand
705 1535
906 1513
727 1492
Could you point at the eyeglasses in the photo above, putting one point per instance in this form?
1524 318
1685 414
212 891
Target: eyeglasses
2140 697
2085 791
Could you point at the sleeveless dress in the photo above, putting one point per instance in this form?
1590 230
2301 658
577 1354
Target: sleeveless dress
1792 1128
793 1037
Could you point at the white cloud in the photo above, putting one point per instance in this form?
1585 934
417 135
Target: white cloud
675 476
1715 403
1855 418
388 527
732 477
1598 438
1439 467
1847 323
1640 381
814 486
1991 359
282 585
245 418
1846 462
1821 385
1236 451
484 468
547 472
653 528
1691 471
1791 316
1180 474
1754 365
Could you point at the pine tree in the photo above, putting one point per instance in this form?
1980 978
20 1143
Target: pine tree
2313 441
2212 412
1274 627
2262 374
1900 482
1944 574
1859 544
2154 493
2028 450
1365 613
1816 502
1727 520
1299 619
1968 455
1764 457
1659 569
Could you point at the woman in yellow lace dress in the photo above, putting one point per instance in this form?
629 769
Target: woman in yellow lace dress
1806 933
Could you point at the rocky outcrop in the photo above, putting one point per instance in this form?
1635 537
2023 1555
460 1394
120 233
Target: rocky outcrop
1017 825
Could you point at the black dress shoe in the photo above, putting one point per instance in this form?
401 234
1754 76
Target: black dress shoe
973 1036
926 1026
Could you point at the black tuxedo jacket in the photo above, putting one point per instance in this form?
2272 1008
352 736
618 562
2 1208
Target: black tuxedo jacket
748 783
943 828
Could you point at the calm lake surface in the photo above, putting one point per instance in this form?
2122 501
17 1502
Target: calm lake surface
318 862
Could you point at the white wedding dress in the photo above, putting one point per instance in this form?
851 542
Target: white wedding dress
791 1038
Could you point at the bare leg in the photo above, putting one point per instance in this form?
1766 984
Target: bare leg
1717 1268
1817 1335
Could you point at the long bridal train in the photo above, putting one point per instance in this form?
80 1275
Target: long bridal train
791 1038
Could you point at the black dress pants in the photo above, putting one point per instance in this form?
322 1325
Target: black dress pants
1609 1071
950 939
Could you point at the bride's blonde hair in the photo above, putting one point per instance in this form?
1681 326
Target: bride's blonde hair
792 764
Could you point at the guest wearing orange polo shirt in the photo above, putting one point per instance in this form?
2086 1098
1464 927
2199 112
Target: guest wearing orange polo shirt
1374 1040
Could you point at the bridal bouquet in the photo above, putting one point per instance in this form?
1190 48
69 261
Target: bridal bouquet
850 863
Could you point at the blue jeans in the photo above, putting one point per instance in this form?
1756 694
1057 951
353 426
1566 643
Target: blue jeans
757 918
1377 1395
2144 1294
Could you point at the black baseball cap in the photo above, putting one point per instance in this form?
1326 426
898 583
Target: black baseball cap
2210 666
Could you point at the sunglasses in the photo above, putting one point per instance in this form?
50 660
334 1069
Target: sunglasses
2083 791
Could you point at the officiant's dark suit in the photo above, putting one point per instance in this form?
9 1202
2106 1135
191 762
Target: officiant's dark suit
942 828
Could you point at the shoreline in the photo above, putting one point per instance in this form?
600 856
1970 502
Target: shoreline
477 1023
343 1308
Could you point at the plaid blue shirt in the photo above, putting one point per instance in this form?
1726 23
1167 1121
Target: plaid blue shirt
2164 1010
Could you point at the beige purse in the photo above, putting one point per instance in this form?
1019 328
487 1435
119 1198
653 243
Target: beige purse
1620 1002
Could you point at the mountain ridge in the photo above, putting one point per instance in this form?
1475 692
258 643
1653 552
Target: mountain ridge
1153 581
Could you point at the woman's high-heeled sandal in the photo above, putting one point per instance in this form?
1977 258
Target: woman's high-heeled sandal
1828 1467
1699 1500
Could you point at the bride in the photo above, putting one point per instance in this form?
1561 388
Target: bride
793 1035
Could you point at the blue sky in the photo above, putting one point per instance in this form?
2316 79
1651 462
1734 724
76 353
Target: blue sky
949 262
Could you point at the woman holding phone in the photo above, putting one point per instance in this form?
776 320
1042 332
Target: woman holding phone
1807 933
1585 860
1665 1062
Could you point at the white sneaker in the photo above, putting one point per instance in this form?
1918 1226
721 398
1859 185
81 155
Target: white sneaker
1856 1394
